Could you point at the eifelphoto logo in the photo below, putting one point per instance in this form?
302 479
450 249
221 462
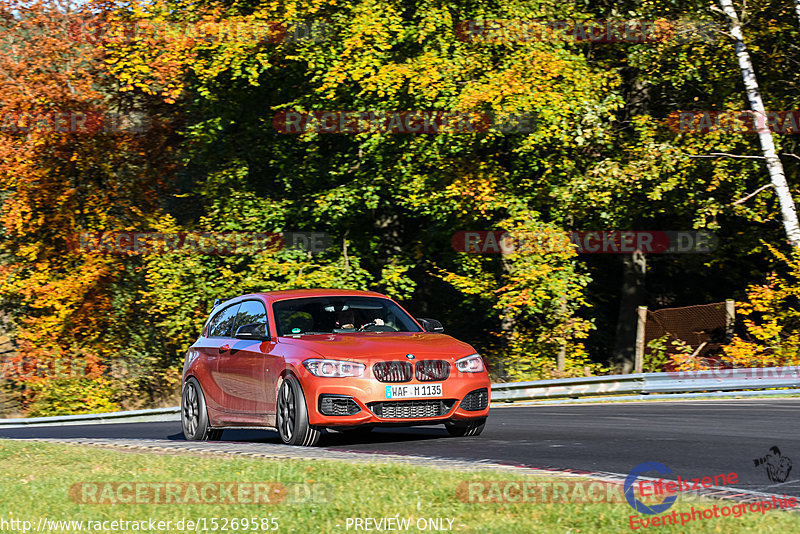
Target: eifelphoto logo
630 482
597 242
72 121
401 122
736 122
211 243
97 29
776 465
715 512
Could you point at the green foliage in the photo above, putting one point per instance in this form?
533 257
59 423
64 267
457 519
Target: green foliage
534 297
69 396
771 316
603 156
656 357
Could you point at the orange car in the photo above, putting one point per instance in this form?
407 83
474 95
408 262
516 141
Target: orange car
300 361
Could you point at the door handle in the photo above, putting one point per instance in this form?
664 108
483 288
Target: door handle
224 348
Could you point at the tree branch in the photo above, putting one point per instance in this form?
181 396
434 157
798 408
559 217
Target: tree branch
726 155
738 156
751 195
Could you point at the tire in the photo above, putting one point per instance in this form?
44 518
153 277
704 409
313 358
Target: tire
194 415
292 415
465 429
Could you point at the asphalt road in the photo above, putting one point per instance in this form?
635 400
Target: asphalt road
695 439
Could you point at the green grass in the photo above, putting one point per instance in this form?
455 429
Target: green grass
37 478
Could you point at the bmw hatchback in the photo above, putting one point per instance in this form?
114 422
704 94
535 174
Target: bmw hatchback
301 361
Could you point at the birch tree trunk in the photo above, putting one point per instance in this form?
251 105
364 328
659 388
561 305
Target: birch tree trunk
774 166
797 8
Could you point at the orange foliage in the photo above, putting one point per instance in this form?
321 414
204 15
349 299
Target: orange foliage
57 179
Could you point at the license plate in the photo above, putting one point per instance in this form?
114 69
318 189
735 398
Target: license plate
413 391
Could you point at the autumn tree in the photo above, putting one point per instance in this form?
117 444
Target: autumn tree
67 165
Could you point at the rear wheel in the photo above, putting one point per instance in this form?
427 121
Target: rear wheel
467 428
292 416
194 416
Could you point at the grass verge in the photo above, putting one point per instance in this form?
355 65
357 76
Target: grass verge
316 496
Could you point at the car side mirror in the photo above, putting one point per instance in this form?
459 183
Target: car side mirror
255 331
431 325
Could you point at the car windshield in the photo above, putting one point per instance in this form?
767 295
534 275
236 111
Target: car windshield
338 315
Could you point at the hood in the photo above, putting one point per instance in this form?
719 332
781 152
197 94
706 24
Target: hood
367 345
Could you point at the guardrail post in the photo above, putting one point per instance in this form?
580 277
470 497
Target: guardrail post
638 362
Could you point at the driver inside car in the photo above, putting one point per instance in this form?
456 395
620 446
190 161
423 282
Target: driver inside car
345 320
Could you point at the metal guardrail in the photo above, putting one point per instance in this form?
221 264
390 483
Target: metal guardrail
650 383
618 387
171 413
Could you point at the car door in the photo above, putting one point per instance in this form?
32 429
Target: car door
215 343
249 370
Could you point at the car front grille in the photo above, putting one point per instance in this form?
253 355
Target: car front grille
395 371
337 405
415 409
430 370
475 400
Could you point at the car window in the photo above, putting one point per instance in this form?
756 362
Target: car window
222 323
325 315
251 312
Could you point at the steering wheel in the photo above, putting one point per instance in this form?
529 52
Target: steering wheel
364 326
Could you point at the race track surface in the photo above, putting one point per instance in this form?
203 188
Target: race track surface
695 439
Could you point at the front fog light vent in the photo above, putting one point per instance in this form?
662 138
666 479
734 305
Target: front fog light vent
476 400
337 405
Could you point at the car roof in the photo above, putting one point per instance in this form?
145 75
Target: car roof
272 296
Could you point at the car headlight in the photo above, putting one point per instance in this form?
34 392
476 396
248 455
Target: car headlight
471 364
333 368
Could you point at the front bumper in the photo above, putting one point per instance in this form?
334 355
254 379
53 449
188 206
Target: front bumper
362 401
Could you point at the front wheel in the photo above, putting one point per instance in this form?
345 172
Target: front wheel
292 416
467 428
194 416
